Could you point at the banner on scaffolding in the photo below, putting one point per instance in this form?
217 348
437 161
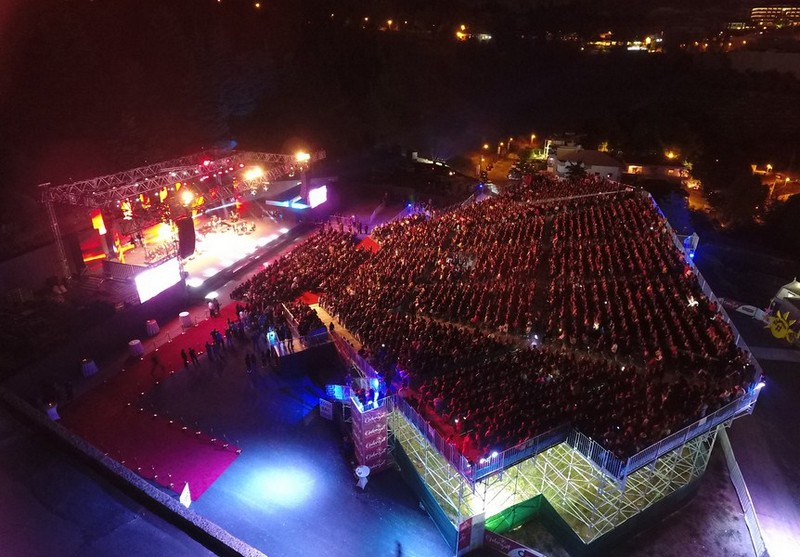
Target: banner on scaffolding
326 409
505 546
470 534
371 436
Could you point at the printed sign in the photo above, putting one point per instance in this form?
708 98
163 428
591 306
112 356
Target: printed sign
508 547
780 326
471 534
186 496
325 409
371 437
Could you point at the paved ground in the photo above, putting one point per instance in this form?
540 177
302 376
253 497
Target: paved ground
767 444
292 489
52 505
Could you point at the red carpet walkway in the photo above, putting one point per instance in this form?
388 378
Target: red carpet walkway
369 244
111 419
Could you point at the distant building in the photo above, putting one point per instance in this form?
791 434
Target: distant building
775 16
674 172
594 163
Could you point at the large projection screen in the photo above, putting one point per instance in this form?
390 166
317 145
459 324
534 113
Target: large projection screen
154 281
317 196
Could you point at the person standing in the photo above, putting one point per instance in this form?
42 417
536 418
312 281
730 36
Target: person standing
289 340
193 356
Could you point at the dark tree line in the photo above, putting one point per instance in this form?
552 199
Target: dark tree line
95 87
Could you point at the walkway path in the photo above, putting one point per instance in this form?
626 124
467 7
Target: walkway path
767 445
777 354
327 319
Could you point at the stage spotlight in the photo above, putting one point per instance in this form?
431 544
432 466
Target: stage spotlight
194 282
302 157
760 385
187 196
212 295
253 173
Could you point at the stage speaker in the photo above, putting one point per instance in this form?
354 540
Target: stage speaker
185 237
72 247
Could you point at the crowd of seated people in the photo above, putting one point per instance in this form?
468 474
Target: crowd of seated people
397 340
320 261
611 281
528 392
618 284
325 258
544 187
451 297
475 265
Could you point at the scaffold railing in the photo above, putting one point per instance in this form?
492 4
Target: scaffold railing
449 451
349 354
523 451
727 412
601 457
598 455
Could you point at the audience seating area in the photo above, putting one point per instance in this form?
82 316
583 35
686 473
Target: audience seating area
555 302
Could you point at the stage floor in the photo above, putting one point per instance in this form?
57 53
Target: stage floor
217 248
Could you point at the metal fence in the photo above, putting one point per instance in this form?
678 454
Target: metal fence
291 321
349 354
672 442
496 462
742 492
449 451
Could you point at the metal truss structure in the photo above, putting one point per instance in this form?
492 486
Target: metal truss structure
109 190
588 499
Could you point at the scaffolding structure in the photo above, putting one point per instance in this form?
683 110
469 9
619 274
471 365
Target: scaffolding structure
588 499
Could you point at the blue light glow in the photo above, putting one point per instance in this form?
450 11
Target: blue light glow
283 486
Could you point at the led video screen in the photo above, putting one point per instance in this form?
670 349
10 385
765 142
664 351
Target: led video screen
154 281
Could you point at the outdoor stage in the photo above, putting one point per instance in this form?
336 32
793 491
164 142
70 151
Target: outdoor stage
221 244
